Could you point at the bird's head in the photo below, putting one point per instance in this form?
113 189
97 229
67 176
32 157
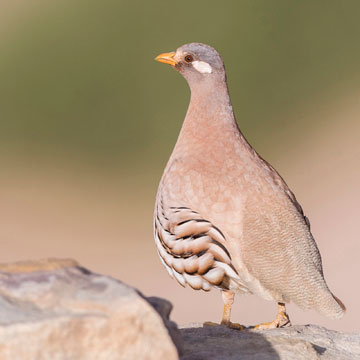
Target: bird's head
196 62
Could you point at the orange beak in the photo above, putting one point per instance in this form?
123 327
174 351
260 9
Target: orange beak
167 58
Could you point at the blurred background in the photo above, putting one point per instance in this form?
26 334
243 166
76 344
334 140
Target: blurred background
88 121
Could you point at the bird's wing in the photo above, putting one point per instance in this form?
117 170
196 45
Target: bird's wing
280 182
279 250
192 249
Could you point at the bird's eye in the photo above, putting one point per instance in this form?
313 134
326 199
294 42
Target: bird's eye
189 58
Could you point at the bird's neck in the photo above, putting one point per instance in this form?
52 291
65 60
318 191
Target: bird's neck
210 116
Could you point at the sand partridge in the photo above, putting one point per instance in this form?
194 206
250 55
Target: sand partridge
224 217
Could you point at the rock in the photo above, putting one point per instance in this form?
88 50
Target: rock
56 309
298 342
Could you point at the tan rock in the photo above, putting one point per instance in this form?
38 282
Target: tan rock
58 310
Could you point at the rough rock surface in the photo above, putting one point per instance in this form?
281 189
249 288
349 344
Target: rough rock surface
58 310
298 342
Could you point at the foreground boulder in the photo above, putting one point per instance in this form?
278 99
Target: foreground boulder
56 309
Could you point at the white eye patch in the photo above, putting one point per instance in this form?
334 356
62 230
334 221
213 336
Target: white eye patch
202 66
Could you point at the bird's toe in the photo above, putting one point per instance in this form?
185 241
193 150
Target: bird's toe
232 325
229 324
210 323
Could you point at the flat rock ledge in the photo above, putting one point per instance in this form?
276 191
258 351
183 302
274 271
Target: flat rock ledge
55 309
300 342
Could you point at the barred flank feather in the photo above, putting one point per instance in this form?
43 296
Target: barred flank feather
193 250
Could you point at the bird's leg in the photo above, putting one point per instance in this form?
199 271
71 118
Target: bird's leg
228 299
282 320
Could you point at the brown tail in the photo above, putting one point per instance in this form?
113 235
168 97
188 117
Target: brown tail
340 303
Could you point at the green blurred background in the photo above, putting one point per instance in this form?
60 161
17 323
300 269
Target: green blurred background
88 121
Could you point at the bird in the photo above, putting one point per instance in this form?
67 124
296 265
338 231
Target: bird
224 218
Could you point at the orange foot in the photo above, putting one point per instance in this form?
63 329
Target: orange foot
229 324
282 320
